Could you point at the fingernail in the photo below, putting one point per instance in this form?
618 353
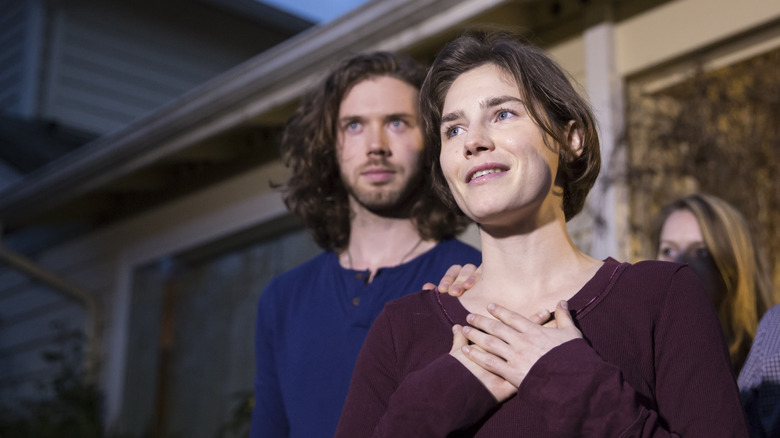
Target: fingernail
465 349
564 305
454 330
491 307
470 317
466 329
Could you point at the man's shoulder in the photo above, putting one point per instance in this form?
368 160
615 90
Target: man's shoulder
770 323
457 251
305 271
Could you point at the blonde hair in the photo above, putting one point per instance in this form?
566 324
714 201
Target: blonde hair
749 291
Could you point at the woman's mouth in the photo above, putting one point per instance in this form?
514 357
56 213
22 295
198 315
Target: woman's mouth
484 172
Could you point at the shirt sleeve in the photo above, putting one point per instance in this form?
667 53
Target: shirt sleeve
269 419
759 381
695 392
434 401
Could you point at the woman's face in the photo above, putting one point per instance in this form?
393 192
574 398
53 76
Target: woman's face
680 237
493 154
681 241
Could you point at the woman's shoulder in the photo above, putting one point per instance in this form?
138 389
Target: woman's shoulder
658 284
655 268
419 301
658 275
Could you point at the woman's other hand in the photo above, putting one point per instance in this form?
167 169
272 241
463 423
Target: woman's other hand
509 346
496 384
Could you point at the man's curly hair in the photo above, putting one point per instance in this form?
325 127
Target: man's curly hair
315 191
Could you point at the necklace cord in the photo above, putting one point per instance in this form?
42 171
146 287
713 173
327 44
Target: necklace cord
400 262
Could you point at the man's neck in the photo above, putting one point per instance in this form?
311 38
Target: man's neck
378 241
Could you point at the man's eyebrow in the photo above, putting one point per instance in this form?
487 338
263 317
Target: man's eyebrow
400 116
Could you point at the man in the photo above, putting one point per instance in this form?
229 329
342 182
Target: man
358 181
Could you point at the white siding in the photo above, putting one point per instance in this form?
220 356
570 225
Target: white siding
33 319
113 63
21 41
12 38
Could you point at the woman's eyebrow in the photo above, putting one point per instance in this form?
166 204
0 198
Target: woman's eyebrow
487 103
449 117
496 101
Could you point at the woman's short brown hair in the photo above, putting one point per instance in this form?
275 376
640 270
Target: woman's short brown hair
550 99
315 191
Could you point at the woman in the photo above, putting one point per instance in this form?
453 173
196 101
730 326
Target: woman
631 351
713 238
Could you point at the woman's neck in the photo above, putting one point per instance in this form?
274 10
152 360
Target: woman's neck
530 271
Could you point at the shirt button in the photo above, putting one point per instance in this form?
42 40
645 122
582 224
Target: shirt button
355 301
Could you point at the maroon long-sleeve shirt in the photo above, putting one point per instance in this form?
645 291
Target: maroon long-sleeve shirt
653 363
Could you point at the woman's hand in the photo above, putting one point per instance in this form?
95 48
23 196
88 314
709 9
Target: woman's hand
458 279
497 385
510 346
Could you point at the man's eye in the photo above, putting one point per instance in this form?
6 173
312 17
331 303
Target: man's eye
702 253
353 126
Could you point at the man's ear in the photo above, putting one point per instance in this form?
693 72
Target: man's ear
574 137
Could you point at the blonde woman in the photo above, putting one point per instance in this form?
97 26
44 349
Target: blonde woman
713 238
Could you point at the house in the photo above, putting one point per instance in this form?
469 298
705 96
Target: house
72 74
175 225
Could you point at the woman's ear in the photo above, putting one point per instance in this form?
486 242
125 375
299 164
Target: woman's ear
574 138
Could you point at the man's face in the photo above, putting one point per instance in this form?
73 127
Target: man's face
379 144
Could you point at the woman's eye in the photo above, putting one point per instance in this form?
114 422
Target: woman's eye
503 115
453 131
665 253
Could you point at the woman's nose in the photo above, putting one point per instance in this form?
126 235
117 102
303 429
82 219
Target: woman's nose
477 140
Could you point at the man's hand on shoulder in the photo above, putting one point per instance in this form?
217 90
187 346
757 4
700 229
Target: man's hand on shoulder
457 280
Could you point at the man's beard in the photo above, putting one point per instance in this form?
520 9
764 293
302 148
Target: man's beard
387 201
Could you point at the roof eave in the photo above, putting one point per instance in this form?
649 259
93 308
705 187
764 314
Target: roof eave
256 86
